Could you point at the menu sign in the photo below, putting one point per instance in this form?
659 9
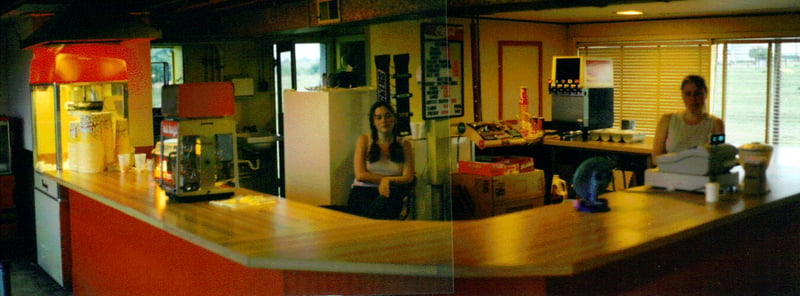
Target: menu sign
442 70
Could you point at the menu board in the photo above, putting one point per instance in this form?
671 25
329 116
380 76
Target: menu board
442 70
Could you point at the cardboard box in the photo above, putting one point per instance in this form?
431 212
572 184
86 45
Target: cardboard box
487 191
487 168
524 163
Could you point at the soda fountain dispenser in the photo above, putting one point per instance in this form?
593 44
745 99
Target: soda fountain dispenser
582 90
198 152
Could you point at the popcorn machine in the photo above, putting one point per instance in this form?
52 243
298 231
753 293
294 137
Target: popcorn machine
198 143
80 114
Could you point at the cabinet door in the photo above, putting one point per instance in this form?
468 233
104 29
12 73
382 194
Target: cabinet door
48 235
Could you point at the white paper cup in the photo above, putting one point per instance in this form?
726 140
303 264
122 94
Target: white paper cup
712 192
417 130
150 162
124 161
140 160
628 124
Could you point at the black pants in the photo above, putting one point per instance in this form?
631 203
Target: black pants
367 202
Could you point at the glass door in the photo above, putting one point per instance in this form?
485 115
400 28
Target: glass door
299 66
285 79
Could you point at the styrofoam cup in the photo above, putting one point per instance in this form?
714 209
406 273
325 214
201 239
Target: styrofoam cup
140 160
124 161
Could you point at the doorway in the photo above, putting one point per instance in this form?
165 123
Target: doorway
298 66
520 66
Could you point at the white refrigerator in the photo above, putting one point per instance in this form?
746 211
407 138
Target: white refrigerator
320 133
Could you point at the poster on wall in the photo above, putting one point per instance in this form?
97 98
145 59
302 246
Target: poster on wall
442 70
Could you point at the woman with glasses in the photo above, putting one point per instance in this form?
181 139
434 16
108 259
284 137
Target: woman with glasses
691 127
381 160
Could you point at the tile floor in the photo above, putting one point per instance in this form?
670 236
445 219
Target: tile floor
27 278
18 256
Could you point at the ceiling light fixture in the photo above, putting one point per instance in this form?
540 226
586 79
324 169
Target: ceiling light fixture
629 12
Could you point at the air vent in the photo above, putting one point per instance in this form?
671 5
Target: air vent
327 11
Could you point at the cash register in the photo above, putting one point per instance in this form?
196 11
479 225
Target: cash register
691 169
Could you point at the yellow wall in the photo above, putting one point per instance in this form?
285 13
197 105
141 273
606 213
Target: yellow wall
404 37
140 92
393 39
553 39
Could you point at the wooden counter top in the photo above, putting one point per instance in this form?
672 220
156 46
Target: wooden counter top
281 235
553 240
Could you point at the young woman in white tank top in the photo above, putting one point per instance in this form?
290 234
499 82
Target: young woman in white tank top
691 127
381 159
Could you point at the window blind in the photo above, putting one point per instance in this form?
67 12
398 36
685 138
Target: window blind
647 77
758 90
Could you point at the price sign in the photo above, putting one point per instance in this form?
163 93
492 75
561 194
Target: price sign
442 70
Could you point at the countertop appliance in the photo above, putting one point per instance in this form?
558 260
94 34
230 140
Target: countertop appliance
79 95
582 90
691 169
755 158
204 163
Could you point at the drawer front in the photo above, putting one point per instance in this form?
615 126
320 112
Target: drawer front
45 184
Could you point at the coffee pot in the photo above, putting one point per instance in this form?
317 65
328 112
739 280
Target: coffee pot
755 158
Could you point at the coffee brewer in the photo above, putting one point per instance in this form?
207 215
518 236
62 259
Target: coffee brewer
203 163
755 158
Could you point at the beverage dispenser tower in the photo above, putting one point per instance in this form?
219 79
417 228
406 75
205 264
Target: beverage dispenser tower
582 90
198 142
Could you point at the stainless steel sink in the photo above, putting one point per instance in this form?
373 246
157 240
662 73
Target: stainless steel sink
256 141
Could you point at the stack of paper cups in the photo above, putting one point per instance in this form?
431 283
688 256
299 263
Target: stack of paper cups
73 158
90 149
122 137
107 133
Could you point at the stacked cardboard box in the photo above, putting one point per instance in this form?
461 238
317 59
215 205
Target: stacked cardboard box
500 194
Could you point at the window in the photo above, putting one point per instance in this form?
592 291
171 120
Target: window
647 76
165 69
758 91
310 65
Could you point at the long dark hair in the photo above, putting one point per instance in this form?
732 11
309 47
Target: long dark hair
395 148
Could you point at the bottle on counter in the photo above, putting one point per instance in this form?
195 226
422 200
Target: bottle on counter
558 191
524 118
